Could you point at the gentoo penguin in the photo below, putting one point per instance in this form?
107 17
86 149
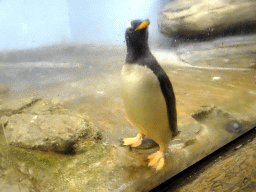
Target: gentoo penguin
147 93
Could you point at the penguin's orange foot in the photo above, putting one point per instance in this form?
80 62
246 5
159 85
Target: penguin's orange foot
133 141
157 160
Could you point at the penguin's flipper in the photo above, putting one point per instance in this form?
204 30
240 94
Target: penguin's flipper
168 93
156 160
134 141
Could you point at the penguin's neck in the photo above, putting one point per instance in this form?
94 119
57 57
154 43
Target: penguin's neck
136 51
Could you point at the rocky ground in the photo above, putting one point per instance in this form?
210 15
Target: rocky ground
89 100
232 168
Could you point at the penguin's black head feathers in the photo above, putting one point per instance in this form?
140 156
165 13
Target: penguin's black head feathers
137 31
136 36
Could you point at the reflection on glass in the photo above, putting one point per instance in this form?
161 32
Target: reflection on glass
61 111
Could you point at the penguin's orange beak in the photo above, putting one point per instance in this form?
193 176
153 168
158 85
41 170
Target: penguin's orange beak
143 25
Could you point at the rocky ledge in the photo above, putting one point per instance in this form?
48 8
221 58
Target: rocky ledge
189 18
42 124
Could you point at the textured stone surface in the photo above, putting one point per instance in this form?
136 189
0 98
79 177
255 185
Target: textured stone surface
49 132
229 169
236 173
229 52
106 166
202 17
14 106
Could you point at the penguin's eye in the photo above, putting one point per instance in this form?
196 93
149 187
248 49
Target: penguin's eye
130 29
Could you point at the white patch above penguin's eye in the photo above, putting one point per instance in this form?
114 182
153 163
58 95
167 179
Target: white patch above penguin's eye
129 26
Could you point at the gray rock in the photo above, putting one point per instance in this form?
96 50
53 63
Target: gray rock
46 132
189 18
15 106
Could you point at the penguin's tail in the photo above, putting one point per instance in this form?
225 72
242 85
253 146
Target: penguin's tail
175 131
174 134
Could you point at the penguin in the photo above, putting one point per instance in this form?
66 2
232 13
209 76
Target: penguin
147 94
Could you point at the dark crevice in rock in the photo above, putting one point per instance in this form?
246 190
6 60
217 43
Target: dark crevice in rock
70 150
33 101
12 111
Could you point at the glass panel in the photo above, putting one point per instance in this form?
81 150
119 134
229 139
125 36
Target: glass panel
62 114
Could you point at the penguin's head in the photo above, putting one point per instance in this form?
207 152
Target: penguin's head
137 32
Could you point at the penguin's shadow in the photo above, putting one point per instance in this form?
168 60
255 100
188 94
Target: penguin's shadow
147 143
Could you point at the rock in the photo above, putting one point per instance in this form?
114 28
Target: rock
46 106
215 115
15 106
46 132
4 91
3 123
202 17
228 52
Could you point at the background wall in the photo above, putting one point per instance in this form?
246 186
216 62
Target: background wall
29 23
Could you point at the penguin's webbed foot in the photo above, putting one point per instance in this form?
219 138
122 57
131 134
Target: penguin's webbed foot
156 160
133 141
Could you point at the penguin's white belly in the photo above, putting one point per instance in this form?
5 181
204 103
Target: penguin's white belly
144 102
